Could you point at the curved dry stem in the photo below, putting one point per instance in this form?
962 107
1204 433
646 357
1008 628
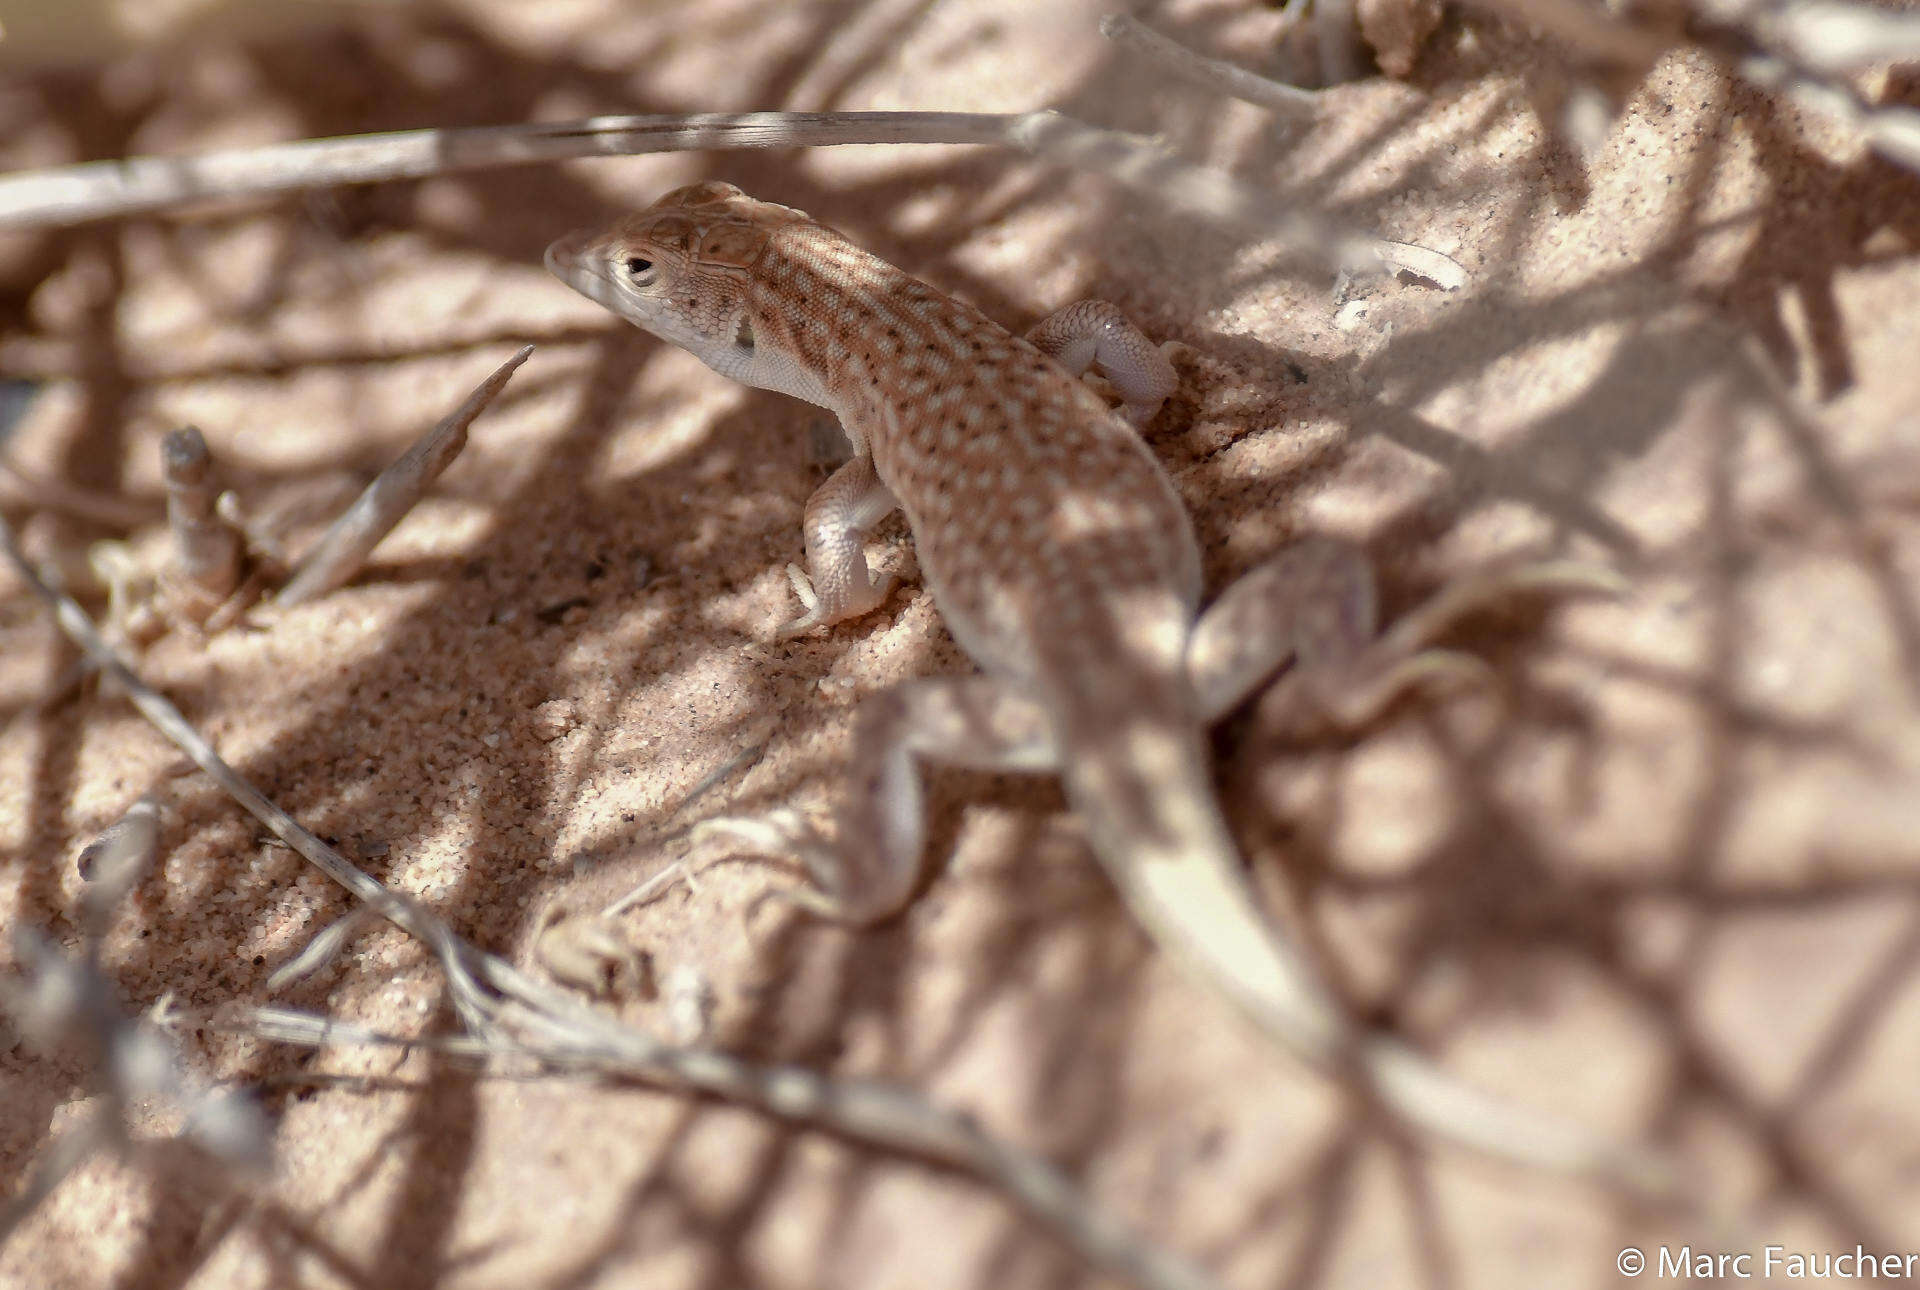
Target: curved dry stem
508 1014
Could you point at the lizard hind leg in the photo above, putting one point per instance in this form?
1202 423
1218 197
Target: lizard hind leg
870 868
1315 606
1094 333
1359 686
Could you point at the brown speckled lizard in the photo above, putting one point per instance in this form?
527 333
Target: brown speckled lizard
1063 562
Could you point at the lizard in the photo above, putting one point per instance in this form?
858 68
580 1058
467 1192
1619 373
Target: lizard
1065 566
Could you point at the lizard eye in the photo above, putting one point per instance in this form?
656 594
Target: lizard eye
638 267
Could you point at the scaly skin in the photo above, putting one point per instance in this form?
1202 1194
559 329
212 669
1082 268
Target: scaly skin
1063 563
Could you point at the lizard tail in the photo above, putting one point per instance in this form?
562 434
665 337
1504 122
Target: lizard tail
1148 801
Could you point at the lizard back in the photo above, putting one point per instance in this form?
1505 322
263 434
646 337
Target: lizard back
1038 515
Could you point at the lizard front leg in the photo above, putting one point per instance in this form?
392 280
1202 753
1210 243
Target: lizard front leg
838 516
869 869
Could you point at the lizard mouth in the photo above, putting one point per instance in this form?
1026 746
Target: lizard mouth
564 259
571 260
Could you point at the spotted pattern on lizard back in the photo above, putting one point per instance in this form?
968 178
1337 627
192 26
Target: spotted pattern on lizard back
1029 501
1063 563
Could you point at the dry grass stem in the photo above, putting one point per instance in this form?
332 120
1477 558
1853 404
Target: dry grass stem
347 543
1214 74
101 190
205 558
513 1015
31 491
70 1004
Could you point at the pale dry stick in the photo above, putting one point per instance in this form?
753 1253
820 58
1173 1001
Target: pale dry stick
1215 74
566 1037
28 490
1893 132
747 754
347 543
1336 38
752 747
319 1030
398 909
562 1032
1825 37
1063 563
514 1014
1794 49
262 545
99 190
1804 49
206 548
62 1003
652 889
262 556
321 948
1587 28
62 195
122 851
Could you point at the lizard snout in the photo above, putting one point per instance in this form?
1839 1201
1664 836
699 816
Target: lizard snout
563 257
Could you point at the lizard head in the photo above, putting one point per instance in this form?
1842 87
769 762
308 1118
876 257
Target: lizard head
680 269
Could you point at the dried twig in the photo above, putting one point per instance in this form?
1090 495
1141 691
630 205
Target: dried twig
1798 49
1825 37
513 1015
99 190
652 889
71 1002
1893 132
747 752
317 1030
167 719
205 561
1336 38
21 488
1213 74
125 847
321 949
1588 29
344 547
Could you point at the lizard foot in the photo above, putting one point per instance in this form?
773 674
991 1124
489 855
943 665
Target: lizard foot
1465 596
1331 696
781 834
819 613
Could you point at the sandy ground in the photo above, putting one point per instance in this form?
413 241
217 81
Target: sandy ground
1659 879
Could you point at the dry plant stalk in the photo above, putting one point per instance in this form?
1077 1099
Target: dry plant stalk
25 490
71 1004
127 846
508 1015
205 561
1215 74
1801 50
347 543
63 195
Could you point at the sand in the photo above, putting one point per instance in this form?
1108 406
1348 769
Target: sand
1659 877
